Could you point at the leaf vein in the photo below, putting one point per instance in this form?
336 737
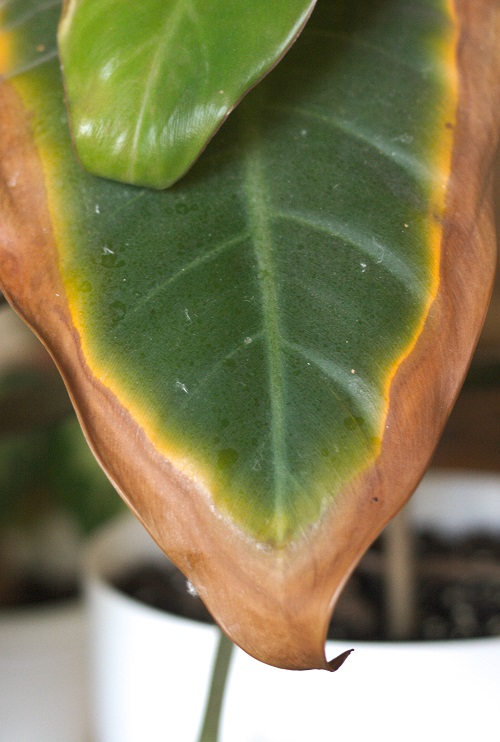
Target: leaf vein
29 15
389 149
380 253
342 377
354 40
193 265
195 389
259 216
170 26
33 64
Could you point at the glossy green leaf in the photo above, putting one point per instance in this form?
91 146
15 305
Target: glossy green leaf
148 83
260 355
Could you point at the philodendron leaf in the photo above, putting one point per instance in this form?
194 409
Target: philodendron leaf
263 356
148 83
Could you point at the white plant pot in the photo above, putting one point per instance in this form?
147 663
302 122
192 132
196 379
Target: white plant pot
43 680
151 670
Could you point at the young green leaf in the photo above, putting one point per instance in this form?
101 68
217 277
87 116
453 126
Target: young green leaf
148 83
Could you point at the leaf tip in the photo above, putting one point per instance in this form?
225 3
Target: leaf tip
337 662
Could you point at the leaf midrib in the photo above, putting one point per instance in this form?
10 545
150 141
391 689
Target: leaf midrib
170 26
257 201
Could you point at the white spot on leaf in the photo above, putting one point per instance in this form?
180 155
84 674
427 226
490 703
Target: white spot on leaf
191 589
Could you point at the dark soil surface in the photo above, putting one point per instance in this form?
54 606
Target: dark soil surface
458 592
33 590
166 589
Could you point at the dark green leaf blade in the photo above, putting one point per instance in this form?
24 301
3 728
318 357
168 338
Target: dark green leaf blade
285 277
148 83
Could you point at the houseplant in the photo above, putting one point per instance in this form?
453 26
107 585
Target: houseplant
266 450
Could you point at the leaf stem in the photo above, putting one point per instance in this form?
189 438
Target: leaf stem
211 721
400 577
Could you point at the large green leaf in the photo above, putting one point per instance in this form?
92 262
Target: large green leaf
263 356
149 82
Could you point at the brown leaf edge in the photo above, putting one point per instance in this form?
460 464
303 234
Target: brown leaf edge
276 605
